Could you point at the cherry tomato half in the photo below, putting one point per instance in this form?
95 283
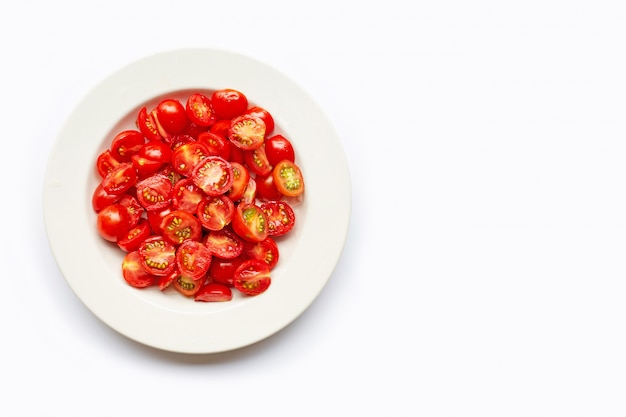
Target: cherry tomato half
158 256
187 286
215 212
154 192
193 259
250 223
134 273
113 222
213 175
120 178
126 143
214 292
278 148
247 132
172 116
252 277
280 217
265 250
263 114
229 103
224 244
179 226
288 178
200 110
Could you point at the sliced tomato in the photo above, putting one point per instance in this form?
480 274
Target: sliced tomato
247 132
221 127
146 125
158 256
215 212
154 192
155 217
265 188
101 198
200 110
179 226
250 223
167 280
256 160
105 163
252 277
265 250
135 210
113 222
229 103
224 244
280 217
172 116
145 166
186 195
156 151
169 171
288 178
134 273
187 286
263 114
126 143
216 144
214 175
120 179
187 156
214 292
222 271
278 148
193 259
241 176
135 236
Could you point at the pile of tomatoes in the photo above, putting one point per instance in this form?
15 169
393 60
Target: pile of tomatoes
198 194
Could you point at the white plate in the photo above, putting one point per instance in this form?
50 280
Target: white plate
167 320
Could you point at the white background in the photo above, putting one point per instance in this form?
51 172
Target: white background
484 272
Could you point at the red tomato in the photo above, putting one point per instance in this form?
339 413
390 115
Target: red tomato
278 148
187 286
261 113
288 178
241 176
194 130
193 259
222 271
134 273
221 127
265 250
154 192
265 188
165 281
214 292
250 223
135 236
158 256
186 195
252 277
224 244
113 222
120 179
216 144
280 217
200 110
145 166
215 212
105 163
156 216
229 103
101 198
156 151
247 132
135 210
179 226
214 175
126 143
187 156
172 116
249 194
169 171
146 125
176 141
256 160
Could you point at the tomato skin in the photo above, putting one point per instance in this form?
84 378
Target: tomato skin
247 132
265 188
200 110
214 292
256 160
146 125
134 273
280 217
222 271
101 198
156 151
288 178
105 163
213 175
113 222
265 250
263 114
145 166
224 244
130 241
158 256
126 143
120 179
279 148
193 259
154 192
250 223
229 103
215 212
252 277
172 116
179 226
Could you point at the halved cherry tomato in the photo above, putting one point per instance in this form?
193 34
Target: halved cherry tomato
177 140
241 176
126 143
158 256
135 236
105 163
120 179
146 125
265 250
193 259
187 286
179 226
221 127
165 281
250 223
288 178
252 277
263 114
214 175
278 148
113 222
265 188
186 195
145 166
229 103
224 244
134 273
187 156
247 132
172 116
280 217
101 198
169 171
156 151
256 160
135 210
154 192
199 110
222 271
215 212
216 144
214 292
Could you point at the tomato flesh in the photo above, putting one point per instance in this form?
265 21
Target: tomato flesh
250 222
193 259
134 273
158 256
179 226
252 277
